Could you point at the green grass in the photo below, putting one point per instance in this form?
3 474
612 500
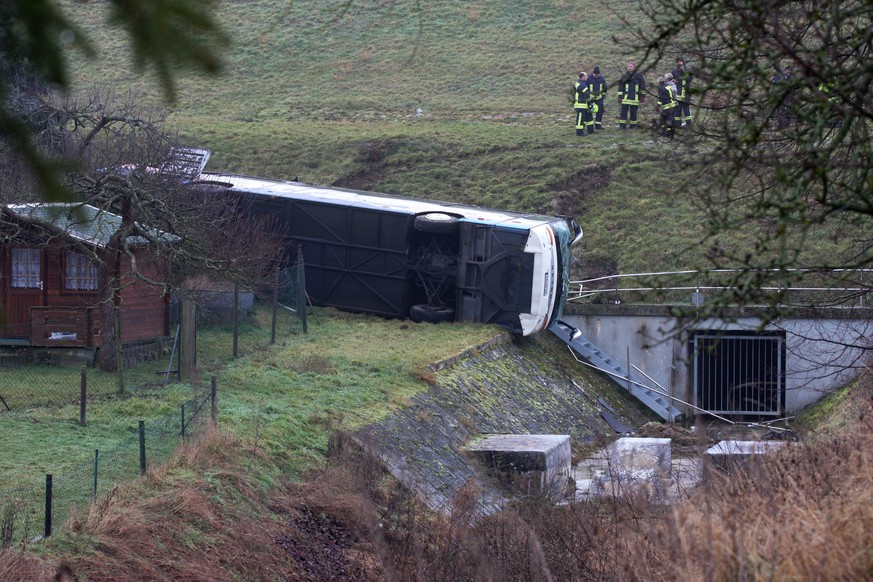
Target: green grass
348 370
284 400
49 439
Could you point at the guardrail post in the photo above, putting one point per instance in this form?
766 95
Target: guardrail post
142 449
48 505
629 387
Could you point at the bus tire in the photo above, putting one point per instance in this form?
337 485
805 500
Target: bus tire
431 314
437 222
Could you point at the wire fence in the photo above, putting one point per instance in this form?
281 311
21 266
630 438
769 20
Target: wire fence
29 512
36 376
33 378
29 379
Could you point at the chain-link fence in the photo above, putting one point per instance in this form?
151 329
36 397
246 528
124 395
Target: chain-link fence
32 377
29 512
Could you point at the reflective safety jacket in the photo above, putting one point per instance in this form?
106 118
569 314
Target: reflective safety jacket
597 84
630 87
682 77
828 89
582 95
666 96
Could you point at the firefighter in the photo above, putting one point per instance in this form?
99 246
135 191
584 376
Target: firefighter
682 76
631 89
826 88
669 105
597 85
581 104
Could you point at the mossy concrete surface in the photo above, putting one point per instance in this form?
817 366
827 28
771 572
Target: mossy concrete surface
518 386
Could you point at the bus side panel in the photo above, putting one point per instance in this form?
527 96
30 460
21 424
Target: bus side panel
268 211
355 258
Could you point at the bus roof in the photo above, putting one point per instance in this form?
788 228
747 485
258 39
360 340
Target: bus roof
374 200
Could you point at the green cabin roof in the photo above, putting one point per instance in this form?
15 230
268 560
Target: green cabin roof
81 222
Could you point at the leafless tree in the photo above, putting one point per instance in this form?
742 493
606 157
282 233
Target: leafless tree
782 94
124 167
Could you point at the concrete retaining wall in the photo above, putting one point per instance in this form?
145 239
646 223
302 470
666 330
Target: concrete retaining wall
820 356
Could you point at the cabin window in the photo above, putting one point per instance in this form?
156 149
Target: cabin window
26 269
80 273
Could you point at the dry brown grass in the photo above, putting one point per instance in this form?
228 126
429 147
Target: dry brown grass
18 565
176 524
804 514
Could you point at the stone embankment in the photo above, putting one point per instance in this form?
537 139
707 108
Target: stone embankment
506 386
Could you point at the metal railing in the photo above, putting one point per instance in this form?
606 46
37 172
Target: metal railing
831 287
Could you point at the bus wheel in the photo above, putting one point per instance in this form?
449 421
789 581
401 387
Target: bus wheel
431 314
437 222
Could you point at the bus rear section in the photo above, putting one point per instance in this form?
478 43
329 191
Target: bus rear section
512 271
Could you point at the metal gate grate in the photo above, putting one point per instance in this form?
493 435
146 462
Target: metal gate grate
739 372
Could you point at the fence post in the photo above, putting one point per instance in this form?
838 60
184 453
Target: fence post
275 307
214 411
301 288
48 505
142 451
188 342
83 396
629 387
235 320
96 464
119 349
183 422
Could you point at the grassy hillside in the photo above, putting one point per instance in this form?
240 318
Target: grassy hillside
326 91
329 95
331 59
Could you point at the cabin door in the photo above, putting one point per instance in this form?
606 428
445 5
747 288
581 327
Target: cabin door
24 289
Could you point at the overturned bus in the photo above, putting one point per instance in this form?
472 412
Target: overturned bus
419 259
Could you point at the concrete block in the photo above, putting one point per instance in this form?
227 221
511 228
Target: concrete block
728 455
636 464
530 464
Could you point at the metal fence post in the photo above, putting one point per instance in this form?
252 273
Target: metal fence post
301 288
188 340
142 450
214 410
48 505
83 396
235 320
96 464
629 387
275 307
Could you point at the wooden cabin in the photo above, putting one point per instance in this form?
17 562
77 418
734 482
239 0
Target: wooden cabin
49 278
